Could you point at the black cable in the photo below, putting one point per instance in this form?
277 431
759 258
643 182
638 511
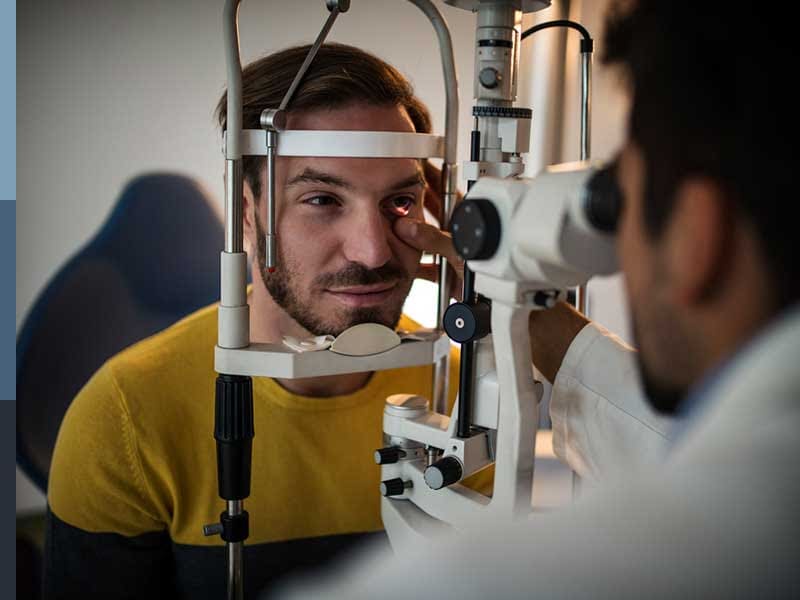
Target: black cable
586 42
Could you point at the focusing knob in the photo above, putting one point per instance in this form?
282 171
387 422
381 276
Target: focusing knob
506 112
466 323
489 77
602 201
475 226
389 455
444 472
394 487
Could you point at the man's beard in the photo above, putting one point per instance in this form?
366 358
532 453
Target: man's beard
282 287
664 396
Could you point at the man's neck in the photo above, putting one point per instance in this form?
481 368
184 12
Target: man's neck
269 323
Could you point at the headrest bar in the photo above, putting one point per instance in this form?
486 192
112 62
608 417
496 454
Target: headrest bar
344 144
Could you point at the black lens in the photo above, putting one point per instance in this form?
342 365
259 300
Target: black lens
603 200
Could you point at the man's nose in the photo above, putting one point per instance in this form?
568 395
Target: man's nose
367 240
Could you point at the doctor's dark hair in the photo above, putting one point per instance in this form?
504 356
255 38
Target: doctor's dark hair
710 98
338 76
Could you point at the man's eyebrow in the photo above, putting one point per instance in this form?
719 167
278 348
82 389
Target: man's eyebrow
310 175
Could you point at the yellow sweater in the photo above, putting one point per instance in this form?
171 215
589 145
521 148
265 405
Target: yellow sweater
136 458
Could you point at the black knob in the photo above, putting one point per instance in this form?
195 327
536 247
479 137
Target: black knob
389 455
467 322
444 472
475 226
489 77
233 420
394 487
602 201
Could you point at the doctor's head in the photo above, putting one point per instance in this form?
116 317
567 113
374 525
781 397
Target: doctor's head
339 262
707 174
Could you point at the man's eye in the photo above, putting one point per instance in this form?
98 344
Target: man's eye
400 206
321 201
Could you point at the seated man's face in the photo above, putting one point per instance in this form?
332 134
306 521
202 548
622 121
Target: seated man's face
339 262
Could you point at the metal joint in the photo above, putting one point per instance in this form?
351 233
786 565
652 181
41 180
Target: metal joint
340 5
273 118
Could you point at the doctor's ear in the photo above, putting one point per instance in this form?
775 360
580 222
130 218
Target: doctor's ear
698 239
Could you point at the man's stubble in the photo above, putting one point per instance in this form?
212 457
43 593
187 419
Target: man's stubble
281 285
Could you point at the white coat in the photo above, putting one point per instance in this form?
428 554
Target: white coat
713 513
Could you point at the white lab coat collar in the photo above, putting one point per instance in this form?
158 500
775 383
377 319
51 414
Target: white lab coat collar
762 383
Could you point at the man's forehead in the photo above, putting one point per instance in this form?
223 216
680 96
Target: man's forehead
353 117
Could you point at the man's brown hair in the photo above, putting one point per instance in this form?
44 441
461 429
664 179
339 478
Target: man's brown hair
339 75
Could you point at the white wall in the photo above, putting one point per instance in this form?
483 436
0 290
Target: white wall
109 89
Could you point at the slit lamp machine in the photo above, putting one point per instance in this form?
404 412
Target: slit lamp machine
526 242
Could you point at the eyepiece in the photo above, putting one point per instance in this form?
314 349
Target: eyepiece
602 202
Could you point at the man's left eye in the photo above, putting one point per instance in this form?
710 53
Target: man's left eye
401 205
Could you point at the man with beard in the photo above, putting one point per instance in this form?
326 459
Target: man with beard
705 504
134 474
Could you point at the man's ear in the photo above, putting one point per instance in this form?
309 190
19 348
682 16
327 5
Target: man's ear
433 199
697 240
249 214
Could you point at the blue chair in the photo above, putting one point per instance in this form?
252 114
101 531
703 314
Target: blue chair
155 260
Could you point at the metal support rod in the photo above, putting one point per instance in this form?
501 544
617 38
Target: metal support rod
441 371
271 258
233 64
586 106
234 236
309 57
431 455
582 293
450 80
234 551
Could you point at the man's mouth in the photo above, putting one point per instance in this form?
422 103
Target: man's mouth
363 295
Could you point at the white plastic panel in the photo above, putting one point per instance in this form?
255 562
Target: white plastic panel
277 360
344 144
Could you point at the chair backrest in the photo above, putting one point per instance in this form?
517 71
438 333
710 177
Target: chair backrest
154 260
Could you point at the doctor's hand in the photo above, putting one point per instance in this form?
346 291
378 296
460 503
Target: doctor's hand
429 238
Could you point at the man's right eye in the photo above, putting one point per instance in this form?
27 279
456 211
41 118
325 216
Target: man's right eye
321 200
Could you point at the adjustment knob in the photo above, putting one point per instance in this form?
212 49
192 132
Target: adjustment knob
394 487
444 472
465 323
388 456
490 77
475 226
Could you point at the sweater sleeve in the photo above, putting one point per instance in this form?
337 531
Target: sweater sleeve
105 536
